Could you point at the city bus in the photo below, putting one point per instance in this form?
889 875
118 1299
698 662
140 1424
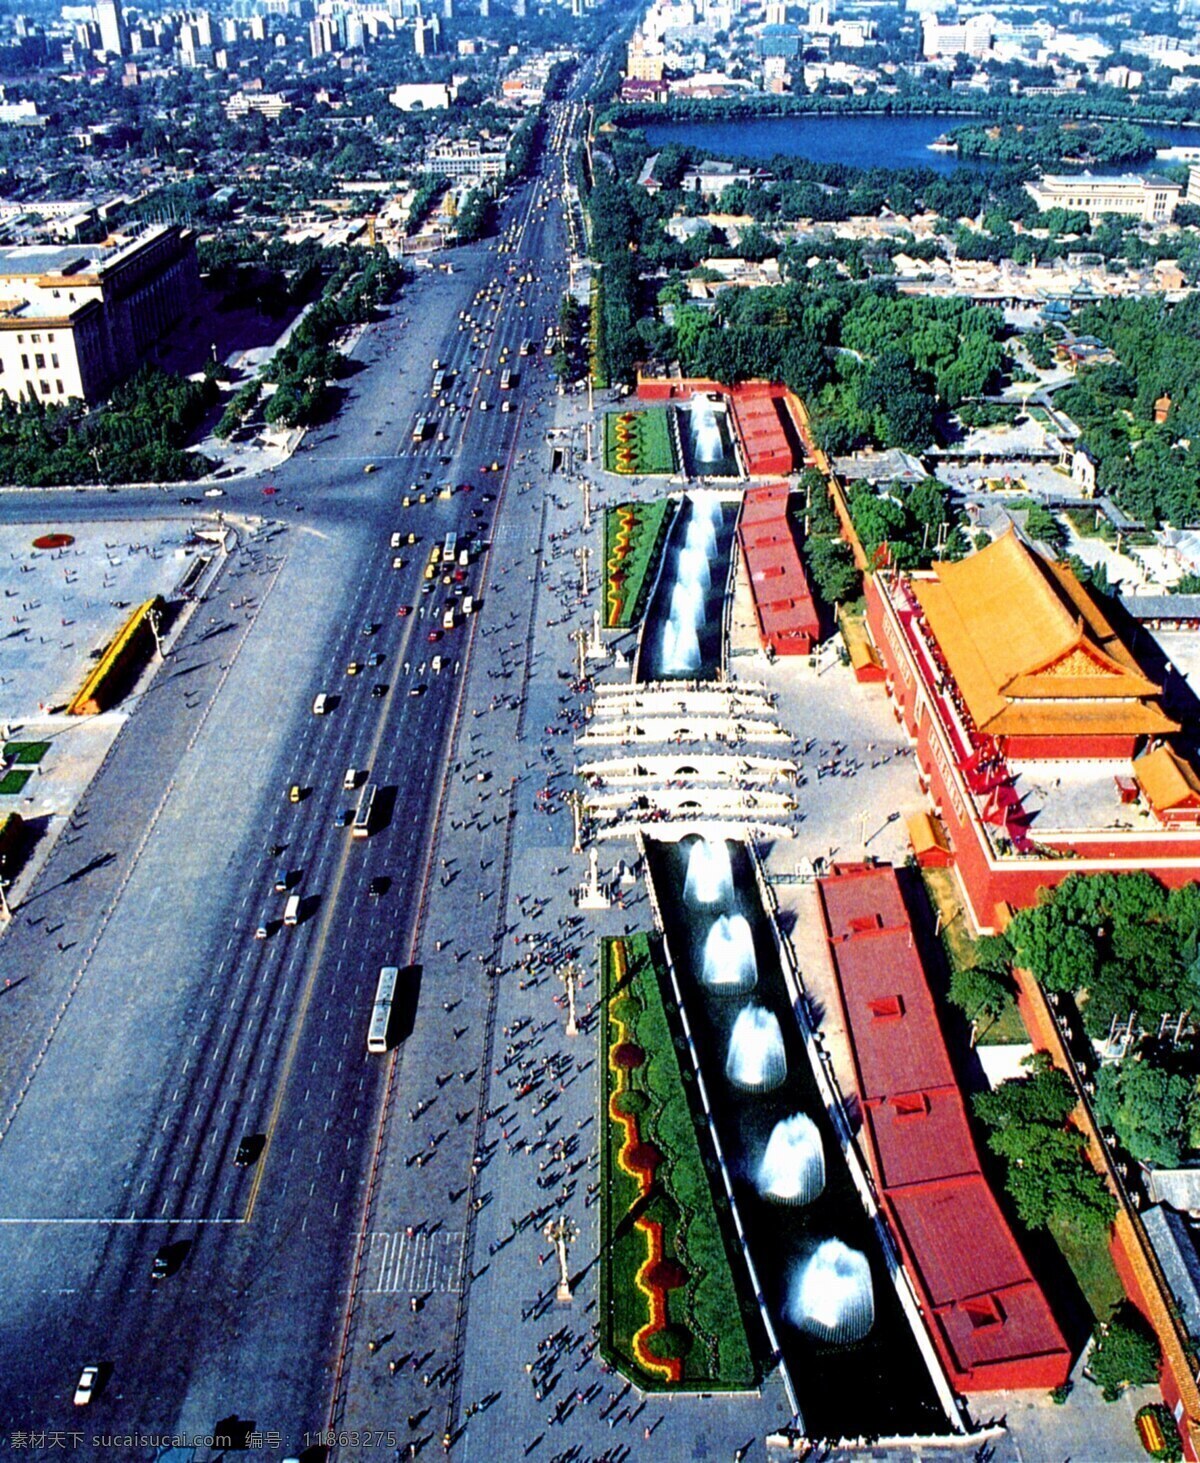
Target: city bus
506 380
381 1011
450 548
439 380
526 346
366 808
420 429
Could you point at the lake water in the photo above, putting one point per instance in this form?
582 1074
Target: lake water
856 141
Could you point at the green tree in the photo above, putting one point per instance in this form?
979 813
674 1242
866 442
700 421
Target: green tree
1150 1109
980 992
1125 1354
1061 955
1047 1173
831 566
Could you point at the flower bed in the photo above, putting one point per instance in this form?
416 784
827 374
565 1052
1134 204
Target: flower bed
639 442
634 535
671 1316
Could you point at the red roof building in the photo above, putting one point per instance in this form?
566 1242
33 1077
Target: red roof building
1003 663
987 1315
783 603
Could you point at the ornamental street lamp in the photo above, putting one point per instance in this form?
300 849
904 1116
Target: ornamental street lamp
562 1233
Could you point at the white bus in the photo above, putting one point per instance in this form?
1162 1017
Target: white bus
381 1011
450 548
420 429
439 380
506 380
366 809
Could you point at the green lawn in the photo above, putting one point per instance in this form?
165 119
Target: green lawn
28 754
704 1331
1093 1268
12 782
646 450
634 536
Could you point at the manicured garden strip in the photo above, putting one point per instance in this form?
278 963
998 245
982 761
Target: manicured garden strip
670 1312
634 536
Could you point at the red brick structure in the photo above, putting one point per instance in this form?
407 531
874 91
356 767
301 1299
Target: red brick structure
783 602
987 1315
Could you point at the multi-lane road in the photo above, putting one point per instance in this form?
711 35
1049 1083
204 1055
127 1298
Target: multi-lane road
150 1030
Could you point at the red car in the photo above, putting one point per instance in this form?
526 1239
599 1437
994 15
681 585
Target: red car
402 611
466 488
435 635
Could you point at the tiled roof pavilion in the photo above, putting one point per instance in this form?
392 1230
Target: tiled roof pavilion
1030 651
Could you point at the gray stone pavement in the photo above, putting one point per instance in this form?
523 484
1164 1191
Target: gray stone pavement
61 604
439 1233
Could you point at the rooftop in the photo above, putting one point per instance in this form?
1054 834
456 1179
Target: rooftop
990 1319
1029 649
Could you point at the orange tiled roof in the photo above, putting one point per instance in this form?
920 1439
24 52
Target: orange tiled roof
1030 650
1167 779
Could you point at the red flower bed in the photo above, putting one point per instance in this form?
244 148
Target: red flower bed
643 1158
627 1055
666 1275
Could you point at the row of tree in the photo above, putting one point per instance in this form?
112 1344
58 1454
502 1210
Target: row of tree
139 436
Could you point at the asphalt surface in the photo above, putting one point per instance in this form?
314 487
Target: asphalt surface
145 1030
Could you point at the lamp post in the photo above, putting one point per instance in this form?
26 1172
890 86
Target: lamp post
562 1233
575 803
571 976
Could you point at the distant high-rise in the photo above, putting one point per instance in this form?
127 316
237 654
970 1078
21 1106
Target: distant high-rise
485 9
447 9
114 39
420 42
519 9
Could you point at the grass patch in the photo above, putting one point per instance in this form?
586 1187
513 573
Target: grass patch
1007 1029
1092 1266
12 782
27 754
639 443
634 537
670 1313
1084 522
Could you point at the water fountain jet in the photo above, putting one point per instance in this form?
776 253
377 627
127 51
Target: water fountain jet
692 568
709 878
792 1167
687 602
680 648
707 445
701 535
730 967
756 1061
831 1296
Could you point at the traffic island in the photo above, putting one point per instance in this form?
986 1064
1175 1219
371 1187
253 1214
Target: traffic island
671 1317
